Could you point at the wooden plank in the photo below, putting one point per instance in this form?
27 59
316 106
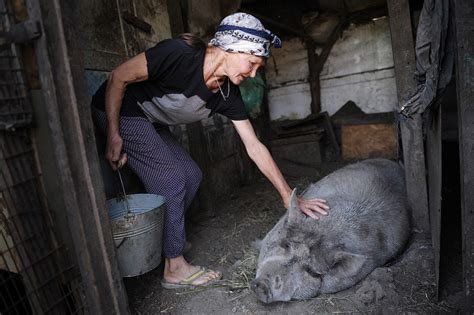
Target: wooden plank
287 154
317 121
315 87
376 118
369 141
434 164
464 32
296 139
412 129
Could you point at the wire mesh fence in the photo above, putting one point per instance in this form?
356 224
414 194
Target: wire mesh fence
15 108
35 277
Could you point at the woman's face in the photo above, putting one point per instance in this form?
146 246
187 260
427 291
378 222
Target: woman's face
240 66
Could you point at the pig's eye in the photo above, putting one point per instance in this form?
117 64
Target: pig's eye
311 271
285 244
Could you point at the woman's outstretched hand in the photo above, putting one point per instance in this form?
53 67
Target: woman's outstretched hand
113 152
312 206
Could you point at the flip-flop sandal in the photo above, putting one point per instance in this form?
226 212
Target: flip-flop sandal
188 282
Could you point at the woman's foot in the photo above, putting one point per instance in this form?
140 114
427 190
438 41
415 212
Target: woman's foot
179 273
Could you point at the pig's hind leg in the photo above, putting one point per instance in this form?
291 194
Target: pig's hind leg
347 269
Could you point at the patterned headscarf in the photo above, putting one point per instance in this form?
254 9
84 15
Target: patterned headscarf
244 33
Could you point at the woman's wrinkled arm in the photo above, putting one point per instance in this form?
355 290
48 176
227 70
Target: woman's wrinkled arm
264 161
133 70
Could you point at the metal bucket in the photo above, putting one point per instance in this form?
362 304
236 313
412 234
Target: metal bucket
138 232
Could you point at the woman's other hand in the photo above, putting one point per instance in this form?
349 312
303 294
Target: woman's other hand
113 152
131 71
312 206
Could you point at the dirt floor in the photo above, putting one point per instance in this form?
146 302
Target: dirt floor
223 242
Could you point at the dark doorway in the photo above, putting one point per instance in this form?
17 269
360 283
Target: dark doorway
450 282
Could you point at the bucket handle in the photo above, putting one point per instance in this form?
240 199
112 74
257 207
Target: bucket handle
129 212
122 241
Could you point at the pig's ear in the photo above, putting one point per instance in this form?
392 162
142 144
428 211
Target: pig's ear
349 263
294 212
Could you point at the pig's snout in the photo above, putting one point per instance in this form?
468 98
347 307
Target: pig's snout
262 289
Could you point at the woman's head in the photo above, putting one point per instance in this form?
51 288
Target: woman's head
244 33
246 44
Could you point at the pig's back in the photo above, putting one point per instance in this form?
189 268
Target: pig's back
368 207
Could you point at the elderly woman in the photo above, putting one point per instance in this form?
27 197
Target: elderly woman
181 81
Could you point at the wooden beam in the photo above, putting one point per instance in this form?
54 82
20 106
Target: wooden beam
335 35
464 32
314 84
411 129
316 63
271 21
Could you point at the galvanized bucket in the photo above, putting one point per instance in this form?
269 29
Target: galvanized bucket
137 227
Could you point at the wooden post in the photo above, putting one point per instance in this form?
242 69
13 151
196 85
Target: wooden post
464 32
315 87
67 105
198 149
434 165
412 129
175 16
316 62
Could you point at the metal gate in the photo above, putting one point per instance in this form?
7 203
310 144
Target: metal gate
34 276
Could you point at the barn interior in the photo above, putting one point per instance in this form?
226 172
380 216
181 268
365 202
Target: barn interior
329 97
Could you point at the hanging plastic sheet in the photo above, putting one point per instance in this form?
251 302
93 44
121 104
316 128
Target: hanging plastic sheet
252 90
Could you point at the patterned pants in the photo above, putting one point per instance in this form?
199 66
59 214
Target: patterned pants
164 168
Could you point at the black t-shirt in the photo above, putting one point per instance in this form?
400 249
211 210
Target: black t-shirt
175 92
